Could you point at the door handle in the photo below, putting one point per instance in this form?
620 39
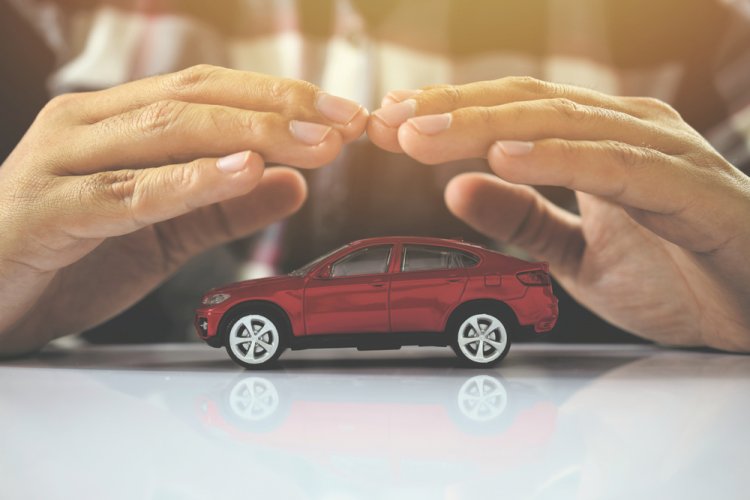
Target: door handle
453 280
377 285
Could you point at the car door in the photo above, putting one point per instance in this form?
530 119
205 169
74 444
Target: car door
354 298
429 282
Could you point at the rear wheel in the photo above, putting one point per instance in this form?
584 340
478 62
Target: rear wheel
255 338
480 339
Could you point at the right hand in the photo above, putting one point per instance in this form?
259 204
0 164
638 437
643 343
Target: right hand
661 244
109 192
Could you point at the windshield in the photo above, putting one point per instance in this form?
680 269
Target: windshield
302 271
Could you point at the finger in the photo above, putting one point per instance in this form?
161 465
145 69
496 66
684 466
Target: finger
401 105
177 131
205 84
518 215
280 192
469 132
119 202
638 177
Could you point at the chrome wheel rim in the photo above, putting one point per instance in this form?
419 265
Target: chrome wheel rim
482 338
254 399
254 339
482 398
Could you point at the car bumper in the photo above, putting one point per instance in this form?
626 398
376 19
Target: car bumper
537 309
206 324
547 322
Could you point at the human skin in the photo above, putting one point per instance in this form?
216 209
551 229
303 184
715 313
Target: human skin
660 247
110 192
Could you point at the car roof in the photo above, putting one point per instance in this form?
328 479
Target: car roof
419 240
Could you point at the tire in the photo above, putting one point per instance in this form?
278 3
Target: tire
266 331
492 338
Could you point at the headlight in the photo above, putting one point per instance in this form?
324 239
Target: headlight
217 298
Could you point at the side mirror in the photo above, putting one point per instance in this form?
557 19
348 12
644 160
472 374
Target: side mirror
324 273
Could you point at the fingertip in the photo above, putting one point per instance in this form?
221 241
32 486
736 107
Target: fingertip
396 96
459 192
255 166
317 155
289 186
387 100
382 135
356 127
508 152
422 148
502 164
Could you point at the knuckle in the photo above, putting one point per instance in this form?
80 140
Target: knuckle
533 87
265 127
654 106
158 117
291 92
520 81
191 78
183 176
452 96
63 104
529 84
484 115
568 109
435 86
108 191
626 155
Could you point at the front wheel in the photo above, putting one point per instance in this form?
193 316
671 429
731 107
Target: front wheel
254 339
481 339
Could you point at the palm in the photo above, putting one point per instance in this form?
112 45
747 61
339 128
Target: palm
635 279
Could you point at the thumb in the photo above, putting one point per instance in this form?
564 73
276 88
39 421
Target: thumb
518 215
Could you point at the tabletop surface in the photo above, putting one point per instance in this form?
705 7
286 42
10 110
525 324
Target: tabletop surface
183 422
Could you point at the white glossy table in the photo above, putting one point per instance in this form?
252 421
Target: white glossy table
182 422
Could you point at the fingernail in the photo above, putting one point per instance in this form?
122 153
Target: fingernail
431 124
234 162
308 132
337 109
395 114
395 96
515 148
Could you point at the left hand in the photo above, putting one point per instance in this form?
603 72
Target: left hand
661 245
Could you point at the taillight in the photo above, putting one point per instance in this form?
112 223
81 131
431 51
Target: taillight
534 278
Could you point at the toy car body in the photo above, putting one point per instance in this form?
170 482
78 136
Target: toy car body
384 293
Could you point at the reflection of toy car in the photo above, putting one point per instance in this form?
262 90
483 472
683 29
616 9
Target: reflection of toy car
424 433
383 293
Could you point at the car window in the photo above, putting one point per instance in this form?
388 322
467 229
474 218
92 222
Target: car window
464 259
425 258
302 271
370 260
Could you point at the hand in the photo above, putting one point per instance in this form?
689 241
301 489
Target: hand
109 192
661 245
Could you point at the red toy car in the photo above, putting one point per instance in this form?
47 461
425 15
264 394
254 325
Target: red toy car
384 293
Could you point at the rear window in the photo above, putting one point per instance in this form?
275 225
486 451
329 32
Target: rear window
426 258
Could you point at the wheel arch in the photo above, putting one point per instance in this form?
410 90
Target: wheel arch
260 303
502 308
